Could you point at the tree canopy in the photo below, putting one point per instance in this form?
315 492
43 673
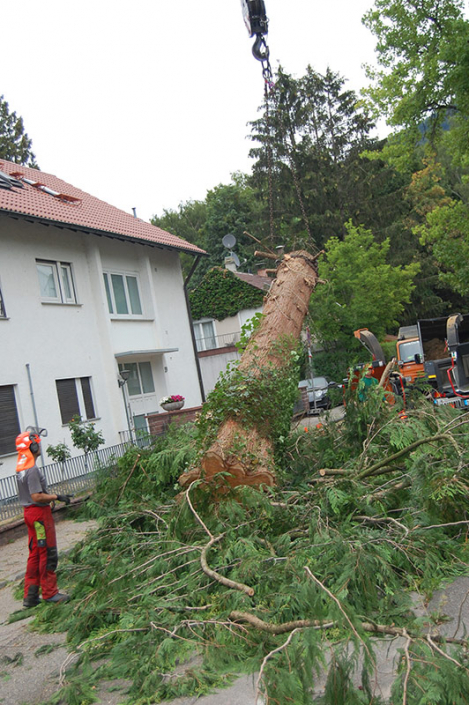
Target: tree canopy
423 50
423 89
361 290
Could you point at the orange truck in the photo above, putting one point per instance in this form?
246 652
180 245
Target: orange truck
434 351
409 354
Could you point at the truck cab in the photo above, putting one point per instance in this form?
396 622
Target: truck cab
409 354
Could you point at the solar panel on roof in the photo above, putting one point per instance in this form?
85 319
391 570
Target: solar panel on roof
7 181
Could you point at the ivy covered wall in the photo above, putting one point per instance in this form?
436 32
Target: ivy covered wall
221 294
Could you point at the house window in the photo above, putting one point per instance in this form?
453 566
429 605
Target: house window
140 378
205 335
122 294
75 398
56 282
10 425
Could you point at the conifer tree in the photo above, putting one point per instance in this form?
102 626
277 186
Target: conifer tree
15 145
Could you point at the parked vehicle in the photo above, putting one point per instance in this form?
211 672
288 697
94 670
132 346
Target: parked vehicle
318 392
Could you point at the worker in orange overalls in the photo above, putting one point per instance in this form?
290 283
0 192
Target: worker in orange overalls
36 501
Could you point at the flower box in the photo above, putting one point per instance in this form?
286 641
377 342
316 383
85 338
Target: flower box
172 405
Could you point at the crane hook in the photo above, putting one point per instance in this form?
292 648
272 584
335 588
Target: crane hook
260 49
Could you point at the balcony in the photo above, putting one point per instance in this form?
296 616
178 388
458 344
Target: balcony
214 342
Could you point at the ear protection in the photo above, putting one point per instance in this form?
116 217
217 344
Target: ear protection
34 446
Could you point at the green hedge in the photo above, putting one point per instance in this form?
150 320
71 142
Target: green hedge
222 294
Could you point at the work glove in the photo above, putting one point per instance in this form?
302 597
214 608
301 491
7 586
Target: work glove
64 498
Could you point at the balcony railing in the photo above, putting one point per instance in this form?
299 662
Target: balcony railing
214 342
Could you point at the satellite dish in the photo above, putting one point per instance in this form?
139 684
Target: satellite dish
229 241
235 258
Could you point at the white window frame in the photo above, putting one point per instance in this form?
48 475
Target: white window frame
200 341
59 282
141 394
110 295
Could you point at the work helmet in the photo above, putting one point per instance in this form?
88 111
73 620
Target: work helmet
27 441
27 445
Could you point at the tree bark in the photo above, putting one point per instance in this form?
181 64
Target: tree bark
285 308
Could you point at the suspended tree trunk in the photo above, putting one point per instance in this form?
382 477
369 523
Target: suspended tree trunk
285 308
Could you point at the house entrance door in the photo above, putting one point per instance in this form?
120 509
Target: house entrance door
141 392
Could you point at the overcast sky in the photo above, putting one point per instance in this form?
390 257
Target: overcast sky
145 104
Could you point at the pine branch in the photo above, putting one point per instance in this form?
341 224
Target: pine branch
339 605
264 663
408 449
128 478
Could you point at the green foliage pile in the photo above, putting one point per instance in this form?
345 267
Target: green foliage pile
221 294
365 512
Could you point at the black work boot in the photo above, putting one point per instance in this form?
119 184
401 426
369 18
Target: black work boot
32 598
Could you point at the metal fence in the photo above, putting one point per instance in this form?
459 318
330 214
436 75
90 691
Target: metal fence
69 477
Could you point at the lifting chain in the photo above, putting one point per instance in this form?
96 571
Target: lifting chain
257 24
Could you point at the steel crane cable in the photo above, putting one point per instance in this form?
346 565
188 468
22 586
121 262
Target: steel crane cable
257 23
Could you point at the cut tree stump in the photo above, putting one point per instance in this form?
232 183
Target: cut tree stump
285 308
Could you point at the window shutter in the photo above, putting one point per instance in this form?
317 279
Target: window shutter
87 397
9 422
68 399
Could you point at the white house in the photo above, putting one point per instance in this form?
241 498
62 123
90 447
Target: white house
86 290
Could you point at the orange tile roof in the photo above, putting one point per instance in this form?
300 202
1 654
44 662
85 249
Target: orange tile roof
71 206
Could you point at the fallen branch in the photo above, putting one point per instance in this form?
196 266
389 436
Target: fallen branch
371 627
440 526
276 629
339 605
381 520
203 556
128 478
216 576
264 663
408 449
386 373
408 668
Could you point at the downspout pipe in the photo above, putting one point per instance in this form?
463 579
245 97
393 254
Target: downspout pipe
191 323
36 422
